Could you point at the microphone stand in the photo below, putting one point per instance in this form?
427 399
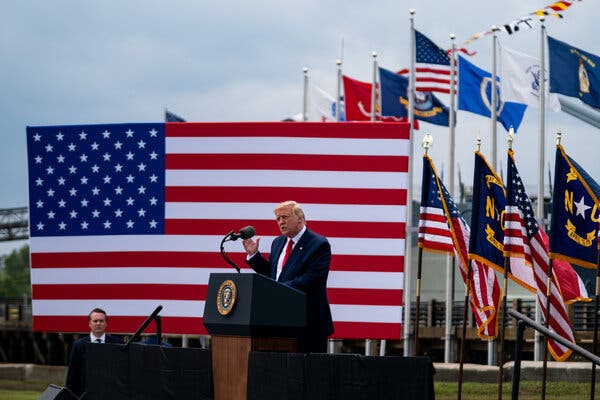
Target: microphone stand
225 257
153 317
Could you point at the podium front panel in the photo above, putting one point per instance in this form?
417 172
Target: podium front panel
259 306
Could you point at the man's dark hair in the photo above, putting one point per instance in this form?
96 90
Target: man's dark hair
97 310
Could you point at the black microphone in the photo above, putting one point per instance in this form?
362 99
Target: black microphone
245 233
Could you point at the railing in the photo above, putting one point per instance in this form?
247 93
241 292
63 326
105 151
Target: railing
523 320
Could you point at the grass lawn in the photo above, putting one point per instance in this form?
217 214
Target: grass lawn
21 390
18 390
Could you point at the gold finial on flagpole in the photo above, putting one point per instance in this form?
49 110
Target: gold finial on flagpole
478 142
511 137
558 137
427 142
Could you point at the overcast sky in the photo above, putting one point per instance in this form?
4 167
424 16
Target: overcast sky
79 62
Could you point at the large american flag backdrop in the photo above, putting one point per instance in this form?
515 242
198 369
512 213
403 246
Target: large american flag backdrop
129 216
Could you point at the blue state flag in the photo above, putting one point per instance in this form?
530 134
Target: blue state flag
475 95
574 226
394 100
574 72
489 201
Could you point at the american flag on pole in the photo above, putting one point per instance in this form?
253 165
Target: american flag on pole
432 71
442 229
126 217
524 239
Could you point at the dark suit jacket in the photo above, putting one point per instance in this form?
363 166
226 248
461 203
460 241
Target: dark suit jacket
306 269
76 371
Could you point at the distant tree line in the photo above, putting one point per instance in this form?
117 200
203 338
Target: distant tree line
14 274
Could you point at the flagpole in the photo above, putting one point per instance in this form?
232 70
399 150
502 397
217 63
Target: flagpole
374 89
511 136
408 235
450 259
540 194
339 90
494 105
494 112
465 314
305 97
427 142
596 310
369 342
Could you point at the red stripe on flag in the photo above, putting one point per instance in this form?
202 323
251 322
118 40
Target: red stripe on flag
127 291
354 130
263 227
432 89
275 194
438 71
374 297
362 330
341 262
304 162
191 259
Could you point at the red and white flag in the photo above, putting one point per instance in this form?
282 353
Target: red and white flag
127 217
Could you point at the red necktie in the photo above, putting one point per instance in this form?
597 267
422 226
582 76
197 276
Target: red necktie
288 251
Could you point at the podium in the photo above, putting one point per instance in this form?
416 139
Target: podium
248 312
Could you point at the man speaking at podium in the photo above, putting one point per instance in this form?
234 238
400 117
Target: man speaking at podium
299 258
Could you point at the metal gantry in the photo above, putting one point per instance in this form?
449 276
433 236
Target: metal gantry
14 224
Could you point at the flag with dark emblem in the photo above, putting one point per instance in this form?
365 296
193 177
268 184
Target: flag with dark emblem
394 100
574 227
525 240
442 229
574 72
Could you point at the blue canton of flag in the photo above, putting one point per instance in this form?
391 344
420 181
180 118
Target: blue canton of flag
574 228
475 95
574 72
434 232
394 100
428 52
489 201
96 179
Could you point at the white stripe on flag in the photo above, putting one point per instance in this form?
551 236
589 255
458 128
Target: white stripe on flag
203 243
195 276
286 145
357 313
171 308
264 211
287 178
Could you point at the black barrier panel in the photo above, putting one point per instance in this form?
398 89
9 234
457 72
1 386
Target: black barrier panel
399 377
279 376
54 392
276 376
148 372
107 372
159 372
335 376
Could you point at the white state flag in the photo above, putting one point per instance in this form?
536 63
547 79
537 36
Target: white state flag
322 106
520 80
